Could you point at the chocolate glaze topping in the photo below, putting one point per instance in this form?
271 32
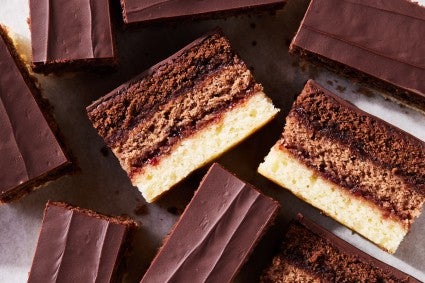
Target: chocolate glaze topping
28 147
135 11
361 34
77 245
216 233
63 31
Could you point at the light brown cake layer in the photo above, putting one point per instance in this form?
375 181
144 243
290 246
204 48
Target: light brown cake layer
335 160
357 151
183 115
312 254
144 118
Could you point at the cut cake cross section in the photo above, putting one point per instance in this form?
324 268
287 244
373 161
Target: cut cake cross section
356 168
181 113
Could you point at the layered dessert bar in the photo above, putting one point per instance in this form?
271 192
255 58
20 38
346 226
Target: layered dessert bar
216 233
71 35
31 151
357 38
136 11
181 113
356 168
79 245
310 253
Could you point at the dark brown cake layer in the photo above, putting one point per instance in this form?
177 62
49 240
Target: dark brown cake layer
312 254
70 35
135 11
145 117
79 245
216 233
358 151
30 151
357 38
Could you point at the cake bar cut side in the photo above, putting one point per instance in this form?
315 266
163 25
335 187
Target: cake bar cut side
356 168
359 42
216 233
135 11
80 245
31 148
71 35
312 254
180 114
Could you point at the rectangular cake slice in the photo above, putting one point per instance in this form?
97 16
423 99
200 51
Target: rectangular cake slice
71 35
310 253
216 233
79 245
357 38
181 113
356 168
136 11
31 152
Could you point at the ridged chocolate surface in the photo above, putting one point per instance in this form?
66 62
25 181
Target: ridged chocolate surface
28 147
313 252
360 34
64 30
142 119
216 233
76 245
135 11
361 153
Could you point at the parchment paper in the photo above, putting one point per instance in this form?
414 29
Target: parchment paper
101 185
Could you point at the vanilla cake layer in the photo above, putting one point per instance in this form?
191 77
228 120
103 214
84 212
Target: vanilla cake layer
356 213
181 113
351 165
203 146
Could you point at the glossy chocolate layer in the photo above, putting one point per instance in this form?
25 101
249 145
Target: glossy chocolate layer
135 11
216 233
312 251
64 31
360 34
78 245
28 147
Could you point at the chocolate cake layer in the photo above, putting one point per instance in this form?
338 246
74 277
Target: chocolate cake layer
30 152
312 254
216 233
356 168
362 153
135 11
147 119
357 38
79 245
71 35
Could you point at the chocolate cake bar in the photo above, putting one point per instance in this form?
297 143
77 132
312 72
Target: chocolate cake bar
30 150
71 35
79 245
358 169
357 38
216 233
312 254
136 11
181 113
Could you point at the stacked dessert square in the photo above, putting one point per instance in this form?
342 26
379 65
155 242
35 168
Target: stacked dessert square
184 112
181 113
